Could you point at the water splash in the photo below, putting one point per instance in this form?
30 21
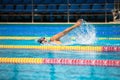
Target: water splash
85 34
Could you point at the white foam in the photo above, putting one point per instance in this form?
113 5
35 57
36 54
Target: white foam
85 34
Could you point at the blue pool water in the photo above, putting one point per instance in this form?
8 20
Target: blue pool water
48 30
57 72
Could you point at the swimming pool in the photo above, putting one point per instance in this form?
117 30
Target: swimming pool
26 34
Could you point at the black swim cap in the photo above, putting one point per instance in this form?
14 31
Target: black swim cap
41 40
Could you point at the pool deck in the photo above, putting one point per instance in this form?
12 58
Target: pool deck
57 22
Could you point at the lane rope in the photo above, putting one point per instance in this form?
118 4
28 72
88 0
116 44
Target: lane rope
61 61
73 48
34 38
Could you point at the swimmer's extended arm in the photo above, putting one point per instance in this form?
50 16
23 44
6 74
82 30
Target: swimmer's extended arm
61 34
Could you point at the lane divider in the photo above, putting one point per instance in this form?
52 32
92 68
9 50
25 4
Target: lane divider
61 61
34 38
73 48
22 60
18 37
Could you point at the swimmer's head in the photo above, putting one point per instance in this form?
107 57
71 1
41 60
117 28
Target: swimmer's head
42 40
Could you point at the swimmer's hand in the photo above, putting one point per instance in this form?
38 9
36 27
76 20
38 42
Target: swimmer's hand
78 23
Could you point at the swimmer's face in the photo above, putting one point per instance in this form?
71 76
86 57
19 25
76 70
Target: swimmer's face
42 40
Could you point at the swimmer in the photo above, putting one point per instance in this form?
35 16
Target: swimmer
56 38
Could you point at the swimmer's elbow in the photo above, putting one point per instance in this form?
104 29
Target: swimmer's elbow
52 39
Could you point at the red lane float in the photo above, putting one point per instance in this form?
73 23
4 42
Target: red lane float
82 62
111 48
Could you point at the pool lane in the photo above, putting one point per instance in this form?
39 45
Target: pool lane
100 42
102 30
